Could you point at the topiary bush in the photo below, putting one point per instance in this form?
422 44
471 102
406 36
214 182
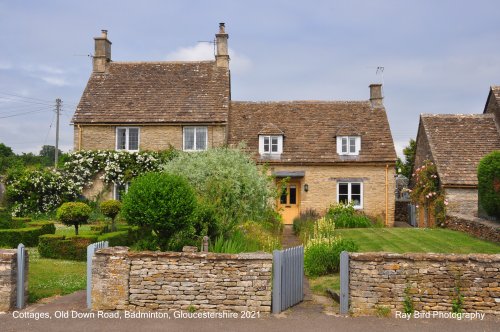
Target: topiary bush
73 214
161 202
111 209
488 176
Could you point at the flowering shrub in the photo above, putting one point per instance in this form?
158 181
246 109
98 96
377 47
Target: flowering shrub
427 191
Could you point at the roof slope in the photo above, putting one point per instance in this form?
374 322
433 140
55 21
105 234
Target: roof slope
310 129
458 142
156 92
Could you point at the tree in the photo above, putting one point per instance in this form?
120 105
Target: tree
74 214
48 153
407 166
111 209
5 151
488 176
161 202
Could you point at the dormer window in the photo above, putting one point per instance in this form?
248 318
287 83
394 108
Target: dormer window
269 144
348 145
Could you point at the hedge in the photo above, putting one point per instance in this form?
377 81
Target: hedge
488 175
62 247
28 235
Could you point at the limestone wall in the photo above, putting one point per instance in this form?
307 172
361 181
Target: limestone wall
379 280
480 228
180 281
8 279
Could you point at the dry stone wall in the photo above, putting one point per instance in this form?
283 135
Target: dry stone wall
379 280
8 279
480 228
124 280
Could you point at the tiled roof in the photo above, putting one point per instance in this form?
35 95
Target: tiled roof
271 129
458 142
156 92
310 129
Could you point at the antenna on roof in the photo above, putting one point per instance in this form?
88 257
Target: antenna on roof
209 42
380 70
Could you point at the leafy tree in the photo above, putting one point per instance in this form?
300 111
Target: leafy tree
5 151
111 209
407 166
161 202
488 175
74 214
48 154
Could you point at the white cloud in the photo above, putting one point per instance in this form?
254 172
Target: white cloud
57 81
5 65
205 51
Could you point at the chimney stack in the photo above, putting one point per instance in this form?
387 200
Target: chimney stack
222 56
376 98
102 55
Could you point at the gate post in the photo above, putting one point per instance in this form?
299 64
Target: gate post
276 300
21 275
344 283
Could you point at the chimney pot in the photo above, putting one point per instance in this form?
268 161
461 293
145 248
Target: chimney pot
376 98
104 33
222 27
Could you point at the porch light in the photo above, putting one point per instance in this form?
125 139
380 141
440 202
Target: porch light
306 187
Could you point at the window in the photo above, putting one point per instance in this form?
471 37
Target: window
127 139
348 145
348 192
270 144
195 138
119 190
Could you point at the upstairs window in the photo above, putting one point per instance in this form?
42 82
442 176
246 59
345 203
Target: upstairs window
270 144
127 138
195 138
348 145
348 192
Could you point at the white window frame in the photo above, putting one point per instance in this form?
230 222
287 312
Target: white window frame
115 190
349 192
127 135
270 151
194 144
349 152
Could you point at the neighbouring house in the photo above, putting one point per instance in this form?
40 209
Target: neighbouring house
329 151
456 143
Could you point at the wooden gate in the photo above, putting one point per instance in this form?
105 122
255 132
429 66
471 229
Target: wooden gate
288 278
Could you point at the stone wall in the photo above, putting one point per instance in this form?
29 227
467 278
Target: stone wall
401 210
462 200
379 280
8 279
126 280
480 228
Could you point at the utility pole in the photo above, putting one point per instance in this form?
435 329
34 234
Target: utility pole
58 111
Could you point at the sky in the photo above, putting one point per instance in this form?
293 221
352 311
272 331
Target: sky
437 56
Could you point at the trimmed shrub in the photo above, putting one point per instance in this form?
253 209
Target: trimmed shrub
111 209
488 175
99 228
61 247
322 256
74 214
28 236
5 219
161 202
119 238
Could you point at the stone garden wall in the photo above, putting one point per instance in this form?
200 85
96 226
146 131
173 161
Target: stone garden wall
8 279
379 280
480 228
123 280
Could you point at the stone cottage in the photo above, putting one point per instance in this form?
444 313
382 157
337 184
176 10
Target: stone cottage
329 151
456 143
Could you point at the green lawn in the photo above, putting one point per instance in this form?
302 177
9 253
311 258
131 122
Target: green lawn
402 240
49 277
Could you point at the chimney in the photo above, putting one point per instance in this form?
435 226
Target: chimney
376 98
222 56
102 55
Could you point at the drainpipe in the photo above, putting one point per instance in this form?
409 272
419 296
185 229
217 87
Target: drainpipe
79 137
386 195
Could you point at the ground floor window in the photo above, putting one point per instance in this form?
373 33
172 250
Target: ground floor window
348 192
119 190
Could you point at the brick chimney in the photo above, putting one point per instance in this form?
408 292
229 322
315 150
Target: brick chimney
102 55
222 56
376 98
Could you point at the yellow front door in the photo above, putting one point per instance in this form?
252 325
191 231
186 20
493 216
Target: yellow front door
289 202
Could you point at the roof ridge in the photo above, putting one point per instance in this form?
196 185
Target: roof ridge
478 115
302 101
160 62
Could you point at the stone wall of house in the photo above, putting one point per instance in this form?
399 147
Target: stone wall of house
462 201
153 138
492 107
8 279
126 280
480 228
379 280
322 182
401 210
423 151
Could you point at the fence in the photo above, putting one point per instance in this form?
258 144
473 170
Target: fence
21 276
90 253
288 278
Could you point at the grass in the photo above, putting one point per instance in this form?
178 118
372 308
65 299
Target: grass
49 277
319 285
401 240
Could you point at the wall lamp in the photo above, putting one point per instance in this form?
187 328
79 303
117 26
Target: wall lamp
306 187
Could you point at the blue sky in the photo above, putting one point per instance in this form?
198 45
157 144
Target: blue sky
438 56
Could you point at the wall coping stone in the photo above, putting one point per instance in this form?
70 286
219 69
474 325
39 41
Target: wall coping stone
489 223
381 256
